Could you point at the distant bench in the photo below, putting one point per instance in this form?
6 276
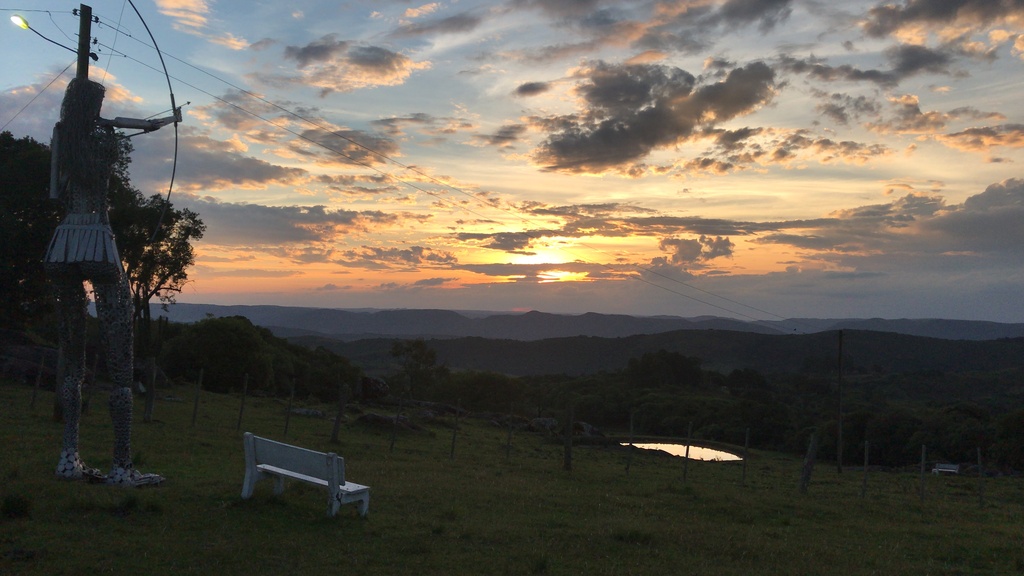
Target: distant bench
265 458
946 469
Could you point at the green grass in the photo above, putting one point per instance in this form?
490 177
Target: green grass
482 513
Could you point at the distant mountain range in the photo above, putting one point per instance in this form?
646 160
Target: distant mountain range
350 325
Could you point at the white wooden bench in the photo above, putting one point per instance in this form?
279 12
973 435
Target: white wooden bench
941 468
265 458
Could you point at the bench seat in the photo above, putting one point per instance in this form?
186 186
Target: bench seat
266 458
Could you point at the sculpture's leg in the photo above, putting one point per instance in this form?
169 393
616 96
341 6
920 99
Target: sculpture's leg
114 311
69 296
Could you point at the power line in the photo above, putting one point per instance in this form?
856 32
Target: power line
38 94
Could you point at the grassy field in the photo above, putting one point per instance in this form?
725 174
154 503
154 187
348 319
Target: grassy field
481 513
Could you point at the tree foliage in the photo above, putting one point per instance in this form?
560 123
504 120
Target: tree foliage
154 240
27 220
226 349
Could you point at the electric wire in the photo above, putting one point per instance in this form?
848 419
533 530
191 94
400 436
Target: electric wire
38 94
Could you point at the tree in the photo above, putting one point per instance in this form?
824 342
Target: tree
154 240
27 220
419 364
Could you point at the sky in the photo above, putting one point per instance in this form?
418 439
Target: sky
757 159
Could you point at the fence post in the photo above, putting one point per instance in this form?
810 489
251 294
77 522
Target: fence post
864 484
394 427
981 482
567 455
808 467
195 407
508 440
924 451
39 376
245 392
455 430
150 393
686 456
342 396
629 453
288 413
746 454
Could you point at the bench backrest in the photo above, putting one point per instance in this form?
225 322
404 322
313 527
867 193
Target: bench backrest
296 459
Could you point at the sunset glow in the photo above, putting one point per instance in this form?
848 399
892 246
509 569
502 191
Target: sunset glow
760 160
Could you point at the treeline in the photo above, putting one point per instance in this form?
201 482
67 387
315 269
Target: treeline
227 350
660 393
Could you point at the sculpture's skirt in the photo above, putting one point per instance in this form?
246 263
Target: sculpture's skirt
88 242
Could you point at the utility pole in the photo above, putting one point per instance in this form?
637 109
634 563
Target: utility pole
84 36
839 435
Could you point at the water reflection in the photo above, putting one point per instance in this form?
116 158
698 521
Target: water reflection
696 452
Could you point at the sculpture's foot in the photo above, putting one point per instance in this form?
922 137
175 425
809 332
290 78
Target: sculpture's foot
130 478
71 467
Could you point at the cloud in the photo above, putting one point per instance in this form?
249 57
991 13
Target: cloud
986 222
506 137
321 50
457 24
887 19
408 259
192 17
334 65
689 251
532 88
905 60
270 228
983 139
344 147
631 110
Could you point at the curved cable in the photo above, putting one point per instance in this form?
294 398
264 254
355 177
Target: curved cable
174 110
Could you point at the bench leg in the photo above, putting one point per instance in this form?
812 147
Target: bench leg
364 505
278 485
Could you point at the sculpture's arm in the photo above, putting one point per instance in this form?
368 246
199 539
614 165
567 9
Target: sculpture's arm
146 125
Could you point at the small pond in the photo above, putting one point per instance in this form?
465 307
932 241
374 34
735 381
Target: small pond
696 452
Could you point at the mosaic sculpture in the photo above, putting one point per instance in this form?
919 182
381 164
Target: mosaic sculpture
83 249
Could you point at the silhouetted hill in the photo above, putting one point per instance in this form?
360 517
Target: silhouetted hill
863 352
288 321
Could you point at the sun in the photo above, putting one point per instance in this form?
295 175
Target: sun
547 276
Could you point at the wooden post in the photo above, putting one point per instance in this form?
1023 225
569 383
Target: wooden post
150 393
195 408
288 412
839 431
455 430
981 482
567 454
864 484
245 392
746 455
84 38
39 377
808 467
629 454
508 440
924 451
686 456
342 397
394 426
